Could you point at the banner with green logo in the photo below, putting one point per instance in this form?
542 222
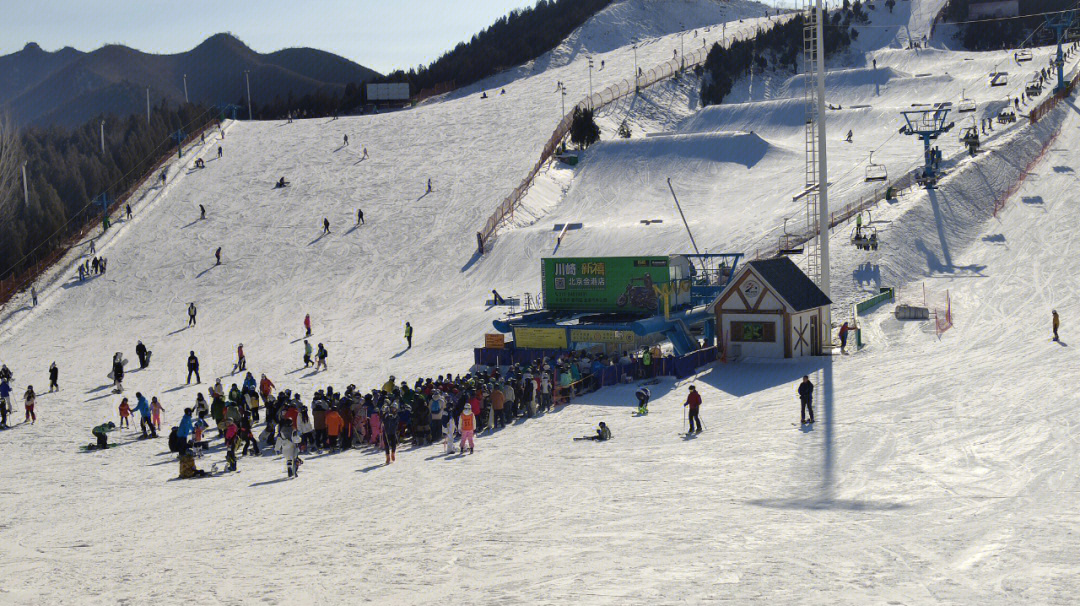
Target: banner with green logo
604 284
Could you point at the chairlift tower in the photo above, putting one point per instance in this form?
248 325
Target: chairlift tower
1060 23
928 125
816 169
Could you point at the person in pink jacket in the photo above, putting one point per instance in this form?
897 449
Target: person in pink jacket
155 410
376 430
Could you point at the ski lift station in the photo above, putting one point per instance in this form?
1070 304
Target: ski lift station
623 302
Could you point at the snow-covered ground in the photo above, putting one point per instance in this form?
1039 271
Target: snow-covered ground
941 470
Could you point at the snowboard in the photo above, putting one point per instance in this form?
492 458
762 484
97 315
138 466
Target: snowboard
123 362
94 446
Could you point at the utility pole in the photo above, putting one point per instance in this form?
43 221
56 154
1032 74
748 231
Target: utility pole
635 69
25 190
248 81
823 179
185 90
590 84
562 92
682 50
148 105
102 136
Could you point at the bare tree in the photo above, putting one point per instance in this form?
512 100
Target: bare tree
10 162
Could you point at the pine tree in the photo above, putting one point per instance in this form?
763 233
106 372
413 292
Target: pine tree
583 130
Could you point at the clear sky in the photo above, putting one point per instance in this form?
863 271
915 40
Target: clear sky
381 34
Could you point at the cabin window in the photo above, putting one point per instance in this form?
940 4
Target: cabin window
753 332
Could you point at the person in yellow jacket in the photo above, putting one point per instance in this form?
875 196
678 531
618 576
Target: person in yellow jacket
388 387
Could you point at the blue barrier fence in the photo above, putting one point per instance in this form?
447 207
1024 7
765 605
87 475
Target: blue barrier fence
670 366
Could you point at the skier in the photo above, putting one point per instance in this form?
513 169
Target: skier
125 412
142 354
219 150
437 406
429 186
288 445
844 328
1057 323
693 400
307 354
281 183
155 410
193 367
202 211
603 434
30 399
325 225
643 396
54 375
320 357
389 421
5 401
408 334
307 325
99 434
241 361
364 156
346 143
191 311
468 428
128 209
145 416
217 255
806 397
359 216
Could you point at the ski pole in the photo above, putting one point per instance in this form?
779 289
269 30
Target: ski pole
684 418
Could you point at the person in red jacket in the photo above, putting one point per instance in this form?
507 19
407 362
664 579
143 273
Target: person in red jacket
307 325
266 387
693 400
844 328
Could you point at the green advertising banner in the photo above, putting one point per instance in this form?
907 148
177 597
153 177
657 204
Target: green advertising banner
604 284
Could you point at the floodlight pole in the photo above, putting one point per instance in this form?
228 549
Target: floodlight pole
25 190
248 81
185 90
148 105
590 84
103 136
823 181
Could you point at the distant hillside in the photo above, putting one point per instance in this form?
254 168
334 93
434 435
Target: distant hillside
68 86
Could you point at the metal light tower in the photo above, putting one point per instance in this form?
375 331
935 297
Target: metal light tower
635 69
25 190
248 81
590 84
562 93
185 90
103 136
816 173
148 105
823 177
1059 23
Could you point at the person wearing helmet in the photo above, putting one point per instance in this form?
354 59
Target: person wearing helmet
30 399
390 422
603 434
388 387
468 428
99 434
241 361
693 400
643 396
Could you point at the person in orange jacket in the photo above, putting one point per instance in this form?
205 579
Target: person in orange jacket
334 424
468 428
266 387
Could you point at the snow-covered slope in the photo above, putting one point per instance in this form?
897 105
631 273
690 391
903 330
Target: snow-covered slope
940 470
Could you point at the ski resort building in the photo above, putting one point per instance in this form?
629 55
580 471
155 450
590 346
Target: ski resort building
770 309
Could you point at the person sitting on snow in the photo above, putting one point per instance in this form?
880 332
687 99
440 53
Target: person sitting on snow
602 433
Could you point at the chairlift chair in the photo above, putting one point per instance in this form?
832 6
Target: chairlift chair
966 105
1022 55
876 172
1034 89
789 243
999 78
865 237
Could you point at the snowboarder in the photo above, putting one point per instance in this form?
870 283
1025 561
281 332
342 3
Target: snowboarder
241 361
844 328
281 183
320 357
603 434
217 256
288 445
202 211
1057 323
145 416
359 216
118 372
193 367
30 399
54 375
307 354
467 423
849 135
408 334
191 311
325 225
346 143
100 434
806 397
643 396
307 325
693 400
429 186
142 354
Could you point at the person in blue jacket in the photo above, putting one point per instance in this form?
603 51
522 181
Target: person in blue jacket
143 408
183 431
5 401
